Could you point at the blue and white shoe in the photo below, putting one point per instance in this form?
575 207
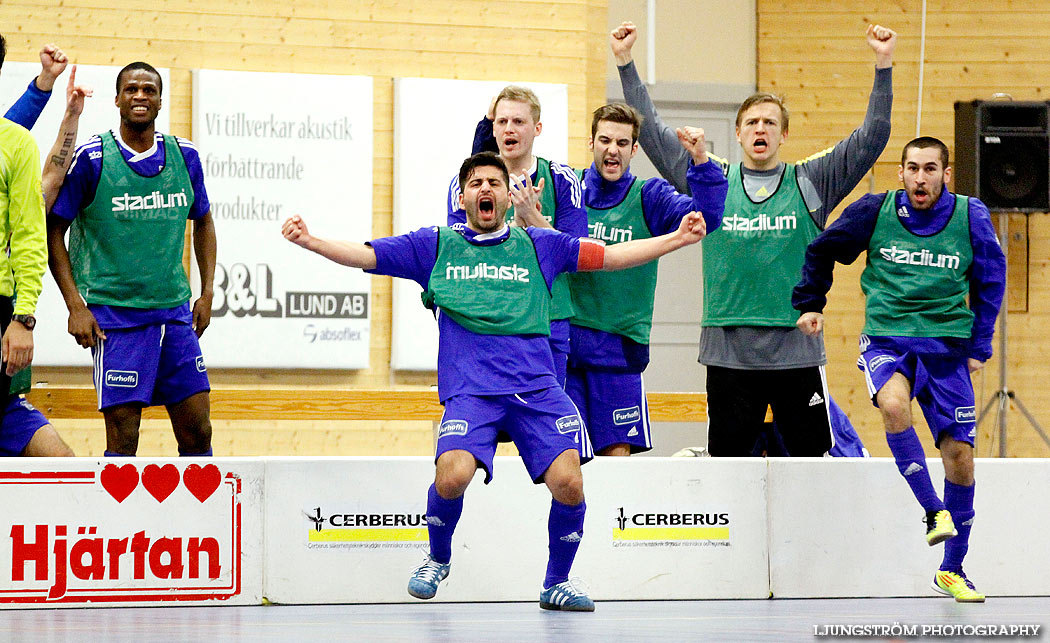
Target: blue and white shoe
565 596
424 581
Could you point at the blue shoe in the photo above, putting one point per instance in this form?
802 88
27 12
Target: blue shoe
565 596
424 581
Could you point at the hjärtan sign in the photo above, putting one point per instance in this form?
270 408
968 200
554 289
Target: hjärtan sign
135 532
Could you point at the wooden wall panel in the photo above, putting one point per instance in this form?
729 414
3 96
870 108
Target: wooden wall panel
554 41
814 51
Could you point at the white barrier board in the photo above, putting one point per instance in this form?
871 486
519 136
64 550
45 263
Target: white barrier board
849 527
655 529
80 531
421 180
274 145
54 346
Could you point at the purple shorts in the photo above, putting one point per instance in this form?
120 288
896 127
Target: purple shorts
159 364
543 424
21 422
613 407
941 385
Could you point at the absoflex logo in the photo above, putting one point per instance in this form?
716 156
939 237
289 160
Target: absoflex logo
652 528
380 527
122 379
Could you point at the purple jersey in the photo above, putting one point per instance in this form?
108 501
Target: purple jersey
470 363
78 191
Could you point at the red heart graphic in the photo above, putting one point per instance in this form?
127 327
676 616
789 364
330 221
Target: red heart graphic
202 481
119 481
160 481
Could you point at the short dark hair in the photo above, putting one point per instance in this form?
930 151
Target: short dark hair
924 142
483 159
617 113
144 66
3 50
758 99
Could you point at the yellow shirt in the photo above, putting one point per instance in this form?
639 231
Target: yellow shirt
23 231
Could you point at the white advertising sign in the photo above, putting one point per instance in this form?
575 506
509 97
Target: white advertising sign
274 145
656 528
79 531
54 346
860 518
434 122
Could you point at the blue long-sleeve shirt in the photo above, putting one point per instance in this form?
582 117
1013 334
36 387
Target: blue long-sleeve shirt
850 235
484 141
26 110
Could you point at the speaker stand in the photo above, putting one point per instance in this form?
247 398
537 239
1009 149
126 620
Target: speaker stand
1001 399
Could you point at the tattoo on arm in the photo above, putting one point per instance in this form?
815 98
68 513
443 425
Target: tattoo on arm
63 153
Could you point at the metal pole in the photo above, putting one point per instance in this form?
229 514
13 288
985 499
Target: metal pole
1004 400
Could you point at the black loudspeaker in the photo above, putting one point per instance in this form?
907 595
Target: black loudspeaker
1002 154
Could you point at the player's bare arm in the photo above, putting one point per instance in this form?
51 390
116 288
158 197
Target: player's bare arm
204 249
62 151
82 325
634 253
347 253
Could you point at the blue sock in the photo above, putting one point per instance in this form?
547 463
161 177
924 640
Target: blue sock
565 530
184 454
911 461
958 501
114 454
442 517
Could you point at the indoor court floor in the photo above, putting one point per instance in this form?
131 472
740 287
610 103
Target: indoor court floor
664 621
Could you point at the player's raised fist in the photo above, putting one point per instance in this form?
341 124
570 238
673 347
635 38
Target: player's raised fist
882 41
621 40
694 141
294 230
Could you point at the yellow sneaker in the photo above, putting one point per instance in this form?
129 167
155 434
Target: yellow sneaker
956 585
939 527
